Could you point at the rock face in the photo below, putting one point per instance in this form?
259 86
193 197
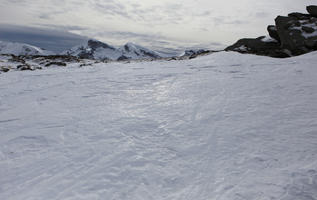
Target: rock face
296 32
94 49
291 35
273 32
312 10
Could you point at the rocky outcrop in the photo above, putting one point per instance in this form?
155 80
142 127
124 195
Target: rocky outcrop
10 62
291 35
25 67
193 53
259 46
62 64
5 68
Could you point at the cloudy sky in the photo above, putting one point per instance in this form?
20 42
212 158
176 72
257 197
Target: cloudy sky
152 23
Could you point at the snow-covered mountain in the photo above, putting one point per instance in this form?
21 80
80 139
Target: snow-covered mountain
94 49
133 51
21 49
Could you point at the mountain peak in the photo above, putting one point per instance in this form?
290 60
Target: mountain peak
95 49
95 44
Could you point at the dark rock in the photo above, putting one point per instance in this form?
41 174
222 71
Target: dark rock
149 54
17 59
273 32
299 16
291 38
293 35
4 69
172 58
127 48
259 47
56 63
85 64
296 24
61 58
123 58
190 54
24 67
312 10
195 52
86 55
308 29
94 44
311 43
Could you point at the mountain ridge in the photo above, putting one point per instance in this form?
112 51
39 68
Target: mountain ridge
94 49
16 48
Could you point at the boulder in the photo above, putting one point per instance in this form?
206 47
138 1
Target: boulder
291 37
259 46
4 69
308 29
56 63
312 10
273 32
24 67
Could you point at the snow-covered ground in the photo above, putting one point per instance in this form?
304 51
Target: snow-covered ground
220 127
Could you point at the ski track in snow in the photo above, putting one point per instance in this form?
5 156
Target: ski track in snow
225 126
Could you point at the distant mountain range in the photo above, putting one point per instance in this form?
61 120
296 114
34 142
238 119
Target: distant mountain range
94 49
21 49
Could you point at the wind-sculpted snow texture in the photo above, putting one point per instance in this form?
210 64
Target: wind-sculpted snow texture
224 126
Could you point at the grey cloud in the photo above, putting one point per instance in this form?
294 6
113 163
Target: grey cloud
154 15
50 39
110 7
65 28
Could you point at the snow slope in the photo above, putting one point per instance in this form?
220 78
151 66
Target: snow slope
225 126
21 49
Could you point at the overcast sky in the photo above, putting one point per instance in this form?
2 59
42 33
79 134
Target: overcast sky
152 22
